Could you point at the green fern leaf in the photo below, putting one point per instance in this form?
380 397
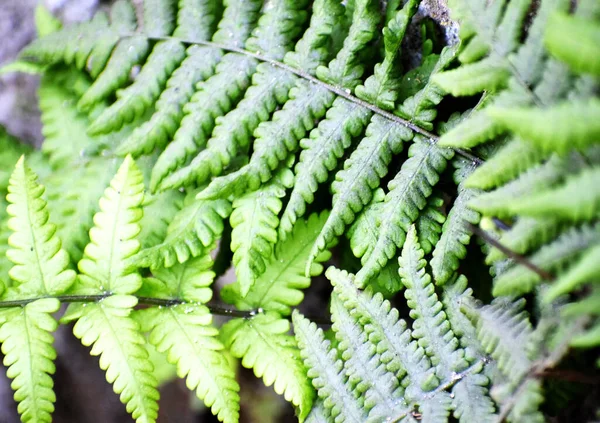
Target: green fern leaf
455 295
511 160
382 87
12 150
346 69
382 323
63 126
264 345
553 256
279 287
429 224
116 338
214 98
134 100
313 49
583 55
407 195
430 327
379 391
559 128
155 133
130 51
326 372
26 337
192 232
362 172
73 198
455 233
364 231
585 269
113 237
578 199
165 57
275 140
189 281
320 155
487 75
270 88
420 107
254 221
5 264
500 326
40 264
526 235
159 211
184 332
498 202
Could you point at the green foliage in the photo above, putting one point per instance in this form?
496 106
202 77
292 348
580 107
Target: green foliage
262 134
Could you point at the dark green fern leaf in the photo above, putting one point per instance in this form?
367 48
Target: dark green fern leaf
407 196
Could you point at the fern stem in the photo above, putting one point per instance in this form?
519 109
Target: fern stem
161 302
510 253
150 301
339 91
456 377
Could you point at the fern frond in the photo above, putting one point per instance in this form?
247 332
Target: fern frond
379 392
128 52
456 295
430 327
155 133
455 233
362 172
429 224
279 287
159 211
346 69
559 128
63 126
166 56
254 221
264 344
12 150
113 237
517 74
193 231
40 264
420 107
408 193
313 49
511 160
134 100
320 155
582 56
26 337
578 199
382 87
584 270
383 325
185 334
270 88
496 203
214 98
116 338
500 326
363 233
275 140
553 256
73 198
189 281
326 372
525 235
